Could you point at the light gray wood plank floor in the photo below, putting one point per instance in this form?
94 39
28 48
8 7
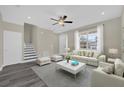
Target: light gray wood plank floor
20 75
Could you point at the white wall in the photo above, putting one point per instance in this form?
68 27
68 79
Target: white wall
1 42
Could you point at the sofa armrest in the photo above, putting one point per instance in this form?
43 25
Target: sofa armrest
104 64
102 58
101 79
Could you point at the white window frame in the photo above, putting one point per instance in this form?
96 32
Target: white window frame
87 32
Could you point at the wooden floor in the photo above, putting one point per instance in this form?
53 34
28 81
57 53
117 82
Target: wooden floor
20 75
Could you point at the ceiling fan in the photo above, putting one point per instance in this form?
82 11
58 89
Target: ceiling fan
61 20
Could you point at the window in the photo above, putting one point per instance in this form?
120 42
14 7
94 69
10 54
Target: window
83 41
88 40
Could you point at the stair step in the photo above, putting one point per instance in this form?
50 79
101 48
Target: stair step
30 60
28 44
30 57
28 47
32 54
29 52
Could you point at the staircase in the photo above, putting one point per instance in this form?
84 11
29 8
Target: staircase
29 53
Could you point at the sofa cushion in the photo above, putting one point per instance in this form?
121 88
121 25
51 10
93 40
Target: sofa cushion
76 56
90 54
84 58
96 54
82 53
88 58
119 67
79 53
86 53
92 59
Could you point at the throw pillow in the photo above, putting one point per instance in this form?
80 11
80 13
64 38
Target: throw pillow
82 54
96 55
119 67
90 54
79 53
87 53
108 70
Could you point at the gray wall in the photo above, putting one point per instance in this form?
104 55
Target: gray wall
1 42
45 41
27 33
13 27
122 34
112 35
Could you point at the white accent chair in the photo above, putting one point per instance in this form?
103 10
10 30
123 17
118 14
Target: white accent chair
101 79
56 58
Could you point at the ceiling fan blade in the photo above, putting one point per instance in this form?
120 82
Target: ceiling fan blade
64 17
53 19
54 23
68 21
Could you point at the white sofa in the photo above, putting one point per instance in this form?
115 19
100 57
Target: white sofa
89 57
101 79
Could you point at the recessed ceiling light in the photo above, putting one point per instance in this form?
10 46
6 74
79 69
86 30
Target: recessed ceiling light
102 13
29 17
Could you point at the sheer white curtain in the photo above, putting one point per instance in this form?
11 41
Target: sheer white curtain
100 42
76 40
63 43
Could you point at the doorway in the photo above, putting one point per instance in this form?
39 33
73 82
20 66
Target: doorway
12 47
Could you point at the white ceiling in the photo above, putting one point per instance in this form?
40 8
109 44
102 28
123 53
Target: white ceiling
40 15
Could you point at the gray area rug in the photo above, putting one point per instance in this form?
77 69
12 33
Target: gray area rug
61 78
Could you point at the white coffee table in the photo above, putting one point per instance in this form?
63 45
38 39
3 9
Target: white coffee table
72 69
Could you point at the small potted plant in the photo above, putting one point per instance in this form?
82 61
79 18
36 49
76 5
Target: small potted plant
68 57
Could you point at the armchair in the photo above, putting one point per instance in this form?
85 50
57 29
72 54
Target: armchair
101 79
